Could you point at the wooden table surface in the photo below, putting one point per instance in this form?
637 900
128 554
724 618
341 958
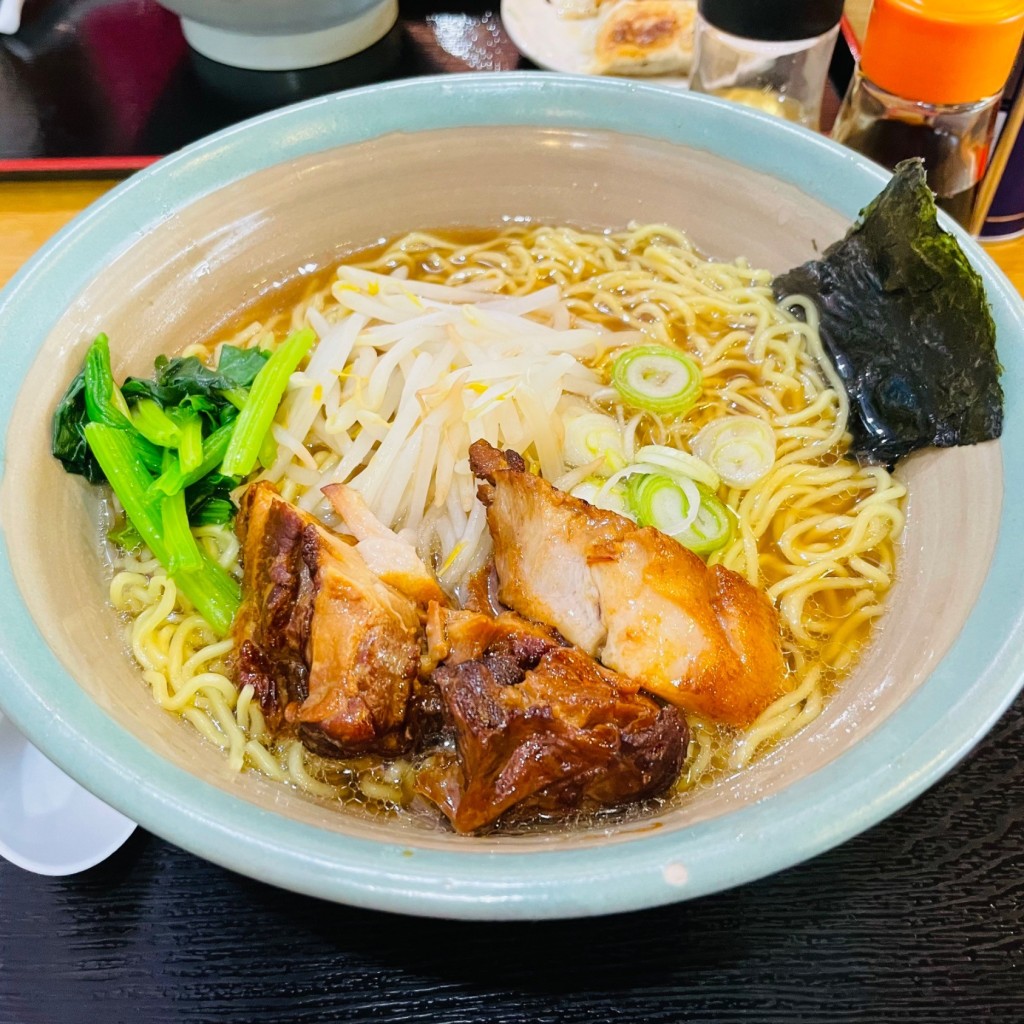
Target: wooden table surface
921 919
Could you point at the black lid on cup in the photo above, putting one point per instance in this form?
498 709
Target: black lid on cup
772 20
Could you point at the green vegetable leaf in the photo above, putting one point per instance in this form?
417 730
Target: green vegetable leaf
213 512
240 365
209 500
93 396
185 381
125 536
160 520
905 321
253 423
155 425
214 446
67 441
103 399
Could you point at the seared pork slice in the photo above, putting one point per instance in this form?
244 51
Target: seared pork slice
539 538
388 555
542 730
701 638
327 645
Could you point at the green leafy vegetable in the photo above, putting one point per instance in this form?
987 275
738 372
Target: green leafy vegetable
177 477
208 501
184 383
190 438
181 547
67 440
176 379
160 443
155 425
103 398
212 512
254 420
158 522
240 365
905 321
124 535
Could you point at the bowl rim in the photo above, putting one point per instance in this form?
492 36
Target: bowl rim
925 737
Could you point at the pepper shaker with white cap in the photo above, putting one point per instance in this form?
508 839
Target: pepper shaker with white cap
772 56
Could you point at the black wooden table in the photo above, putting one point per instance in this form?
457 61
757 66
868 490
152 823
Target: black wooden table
919 920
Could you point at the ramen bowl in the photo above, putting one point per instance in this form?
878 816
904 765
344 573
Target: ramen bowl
178 249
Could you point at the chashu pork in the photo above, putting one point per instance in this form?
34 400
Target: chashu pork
701 638
541 729
328 646
388 556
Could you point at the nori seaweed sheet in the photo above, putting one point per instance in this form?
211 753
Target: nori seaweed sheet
906 322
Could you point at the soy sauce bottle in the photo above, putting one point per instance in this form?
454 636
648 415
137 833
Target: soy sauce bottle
928 84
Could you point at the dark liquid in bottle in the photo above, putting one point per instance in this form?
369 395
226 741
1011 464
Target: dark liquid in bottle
948 165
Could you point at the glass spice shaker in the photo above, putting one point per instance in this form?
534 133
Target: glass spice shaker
770 55
928 84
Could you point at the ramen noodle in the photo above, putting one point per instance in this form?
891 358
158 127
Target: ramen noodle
817 532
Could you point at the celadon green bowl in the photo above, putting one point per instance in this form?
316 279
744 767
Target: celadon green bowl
181 247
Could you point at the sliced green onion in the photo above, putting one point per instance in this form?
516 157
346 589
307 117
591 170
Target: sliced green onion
666 503
590 436
682 509
611 499
712 529
679 464
740 448
265 396
657 378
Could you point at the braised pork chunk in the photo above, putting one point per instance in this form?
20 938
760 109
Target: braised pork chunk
388 556
328 646
701 638
541 730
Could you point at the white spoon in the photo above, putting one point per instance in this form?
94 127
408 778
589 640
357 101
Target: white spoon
48 823
10 15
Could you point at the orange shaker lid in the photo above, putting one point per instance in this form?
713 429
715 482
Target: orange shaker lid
942 51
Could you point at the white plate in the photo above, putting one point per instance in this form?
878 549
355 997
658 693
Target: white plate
559 44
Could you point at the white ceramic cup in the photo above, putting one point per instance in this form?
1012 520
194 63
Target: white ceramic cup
267 35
